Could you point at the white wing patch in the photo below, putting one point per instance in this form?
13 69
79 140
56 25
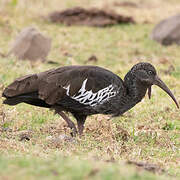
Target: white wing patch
92 99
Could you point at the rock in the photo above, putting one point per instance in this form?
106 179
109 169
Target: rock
167 31
6 129
31 44
25 135
60 139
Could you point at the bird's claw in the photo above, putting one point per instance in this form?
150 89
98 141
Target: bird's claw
74 132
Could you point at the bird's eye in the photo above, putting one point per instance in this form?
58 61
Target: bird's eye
150 72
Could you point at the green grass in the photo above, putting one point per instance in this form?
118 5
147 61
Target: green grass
59 167
147 133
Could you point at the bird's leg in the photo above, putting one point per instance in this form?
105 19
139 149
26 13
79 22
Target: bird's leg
80 126
69 122
80 122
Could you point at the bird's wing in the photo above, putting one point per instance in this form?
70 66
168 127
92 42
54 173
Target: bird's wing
88 85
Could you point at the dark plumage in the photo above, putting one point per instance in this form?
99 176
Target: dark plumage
84 90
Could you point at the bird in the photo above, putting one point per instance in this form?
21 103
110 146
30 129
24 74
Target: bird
84 91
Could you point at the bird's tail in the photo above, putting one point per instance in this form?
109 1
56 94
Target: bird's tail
23 89
12 101
30 98
19 99
21 86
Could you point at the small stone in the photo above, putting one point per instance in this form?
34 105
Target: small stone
6 129
25 135
60 139
93 58
48 138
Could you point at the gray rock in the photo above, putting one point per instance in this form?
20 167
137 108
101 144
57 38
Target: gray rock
31 44
167 31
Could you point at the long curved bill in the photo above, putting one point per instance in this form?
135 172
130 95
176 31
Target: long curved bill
161 84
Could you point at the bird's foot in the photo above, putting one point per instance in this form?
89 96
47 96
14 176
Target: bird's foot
74 132
70 124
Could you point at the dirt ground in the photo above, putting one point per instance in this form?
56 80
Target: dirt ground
89 17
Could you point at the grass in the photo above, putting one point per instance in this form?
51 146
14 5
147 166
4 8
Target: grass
147 133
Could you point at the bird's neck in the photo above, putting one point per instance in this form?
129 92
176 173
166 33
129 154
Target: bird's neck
135 91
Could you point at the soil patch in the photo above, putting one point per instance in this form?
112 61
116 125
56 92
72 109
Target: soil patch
89 17
147 166
129 4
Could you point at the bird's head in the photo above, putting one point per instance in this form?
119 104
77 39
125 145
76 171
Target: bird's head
146 74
